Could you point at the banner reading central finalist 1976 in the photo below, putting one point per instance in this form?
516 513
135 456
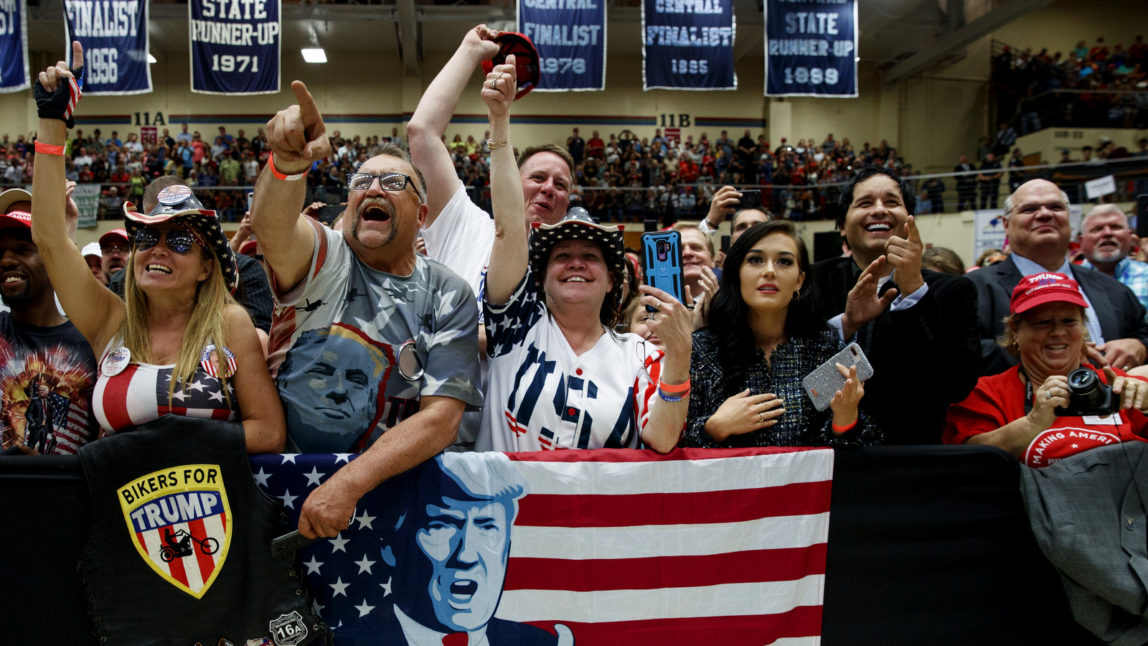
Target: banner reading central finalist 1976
811 48
688 45
234 46
571 39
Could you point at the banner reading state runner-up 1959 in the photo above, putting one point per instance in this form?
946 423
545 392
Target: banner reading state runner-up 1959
235 46
570 36
13 46
115 40
688 45
811 48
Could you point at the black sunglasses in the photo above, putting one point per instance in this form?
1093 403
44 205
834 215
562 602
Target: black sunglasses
177 240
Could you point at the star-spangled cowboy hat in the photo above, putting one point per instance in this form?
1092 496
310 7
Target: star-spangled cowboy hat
177 203
577 225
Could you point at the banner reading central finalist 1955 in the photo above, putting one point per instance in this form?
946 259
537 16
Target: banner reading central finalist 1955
688 45
234 46
811 48
570 36
115 39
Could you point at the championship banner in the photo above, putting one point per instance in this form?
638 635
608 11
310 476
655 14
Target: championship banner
235 47
609 547
688 45
115 40
570 36
13 46
811 48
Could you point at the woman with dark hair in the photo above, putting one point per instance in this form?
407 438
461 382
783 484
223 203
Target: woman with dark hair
764 336
560 377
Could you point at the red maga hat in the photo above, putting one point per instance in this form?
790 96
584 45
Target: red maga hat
1045 287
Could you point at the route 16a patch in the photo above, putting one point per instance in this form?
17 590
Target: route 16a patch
180 523
288 629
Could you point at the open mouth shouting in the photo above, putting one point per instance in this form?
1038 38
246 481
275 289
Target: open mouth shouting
376 213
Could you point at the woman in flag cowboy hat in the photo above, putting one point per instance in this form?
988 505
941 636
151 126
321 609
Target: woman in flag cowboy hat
178 343
560 377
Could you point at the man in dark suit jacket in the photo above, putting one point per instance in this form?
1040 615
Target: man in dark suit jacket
1038 230
923 346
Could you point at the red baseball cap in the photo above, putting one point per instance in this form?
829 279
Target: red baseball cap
526 60
1045 287
16 220
121 234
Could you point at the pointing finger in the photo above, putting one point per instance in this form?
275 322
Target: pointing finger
307 108
911 230
77 54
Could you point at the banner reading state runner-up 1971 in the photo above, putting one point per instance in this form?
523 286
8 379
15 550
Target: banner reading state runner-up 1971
570 36
688 45
811 48
235 46
13 46
115 40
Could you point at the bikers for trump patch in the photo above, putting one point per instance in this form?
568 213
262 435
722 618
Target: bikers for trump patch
180 523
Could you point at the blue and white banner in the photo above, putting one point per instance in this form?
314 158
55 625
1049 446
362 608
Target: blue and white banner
13 46
570 36
235 46
688 45
811 48
115 40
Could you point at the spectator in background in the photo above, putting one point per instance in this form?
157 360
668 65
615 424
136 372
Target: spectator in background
1036 221
114 248
576 146
935 190
94 257
595 147
966 185
943 260
989 180
989 257
1107 242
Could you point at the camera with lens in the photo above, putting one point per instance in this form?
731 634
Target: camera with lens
1088 396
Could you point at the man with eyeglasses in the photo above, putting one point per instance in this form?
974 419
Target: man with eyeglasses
366 280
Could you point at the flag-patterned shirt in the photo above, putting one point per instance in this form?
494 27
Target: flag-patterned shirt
139 393
543 396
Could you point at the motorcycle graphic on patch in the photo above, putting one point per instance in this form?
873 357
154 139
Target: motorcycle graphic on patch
180 523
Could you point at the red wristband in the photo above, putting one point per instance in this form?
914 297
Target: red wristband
844 429
49 149
671 389
280 176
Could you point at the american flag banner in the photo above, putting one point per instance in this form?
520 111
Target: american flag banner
590 547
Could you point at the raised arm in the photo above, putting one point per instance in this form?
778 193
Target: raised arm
297 138
432 116
96 312
508 258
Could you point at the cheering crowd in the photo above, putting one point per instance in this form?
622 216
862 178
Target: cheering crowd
532 330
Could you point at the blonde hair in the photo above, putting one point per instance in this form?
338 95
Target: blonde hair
204 327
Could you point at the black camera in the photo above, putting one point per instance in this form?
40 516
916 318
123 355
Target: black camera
1088 396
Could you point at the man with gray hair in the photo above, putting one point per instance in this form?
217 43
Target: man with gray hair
1107 241
449 548
1036 221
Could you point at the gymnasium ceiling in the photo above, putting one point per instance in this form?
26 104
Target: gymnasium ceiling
900 37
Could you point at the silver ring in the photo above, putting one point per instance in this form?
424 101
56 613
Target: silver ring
1048 394
492 84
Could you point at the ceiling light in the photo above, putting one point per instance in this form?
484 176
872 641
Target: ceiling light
314 54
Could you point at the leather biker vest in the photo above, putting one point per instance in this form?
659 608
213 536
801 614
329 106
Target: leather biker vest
180 549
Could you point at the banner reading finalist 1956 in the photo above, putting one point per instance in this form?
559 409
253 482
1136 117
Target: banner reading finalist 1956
115 39
235 46
13 46
570 36
811 48
688 45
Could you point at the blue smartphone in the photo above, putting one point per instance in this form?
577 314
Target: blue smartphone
662 263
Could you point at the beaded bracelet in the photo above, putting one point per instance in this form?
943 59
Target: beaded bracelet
674 397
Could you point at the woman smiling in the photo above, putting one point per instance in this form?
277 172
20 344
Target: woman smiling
180 344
